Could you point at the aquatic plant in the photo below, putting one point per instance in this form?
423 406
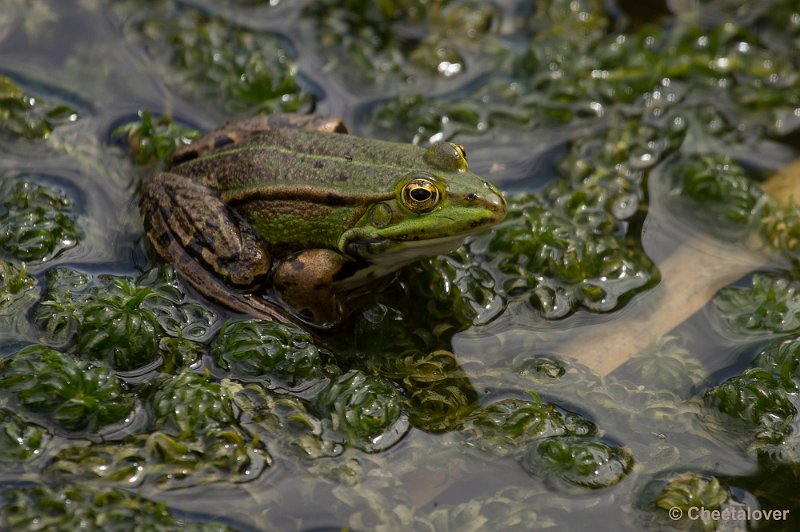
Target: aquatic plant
73 394
14 284
86 506
19 439
770 304
722 190
152 141
255 350
366 34
511 426
37 222
365 409
579 461
27 116
692 490
126 323
193 438
215 60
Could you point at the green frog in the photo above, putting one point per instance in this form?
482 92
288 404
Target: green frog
289 218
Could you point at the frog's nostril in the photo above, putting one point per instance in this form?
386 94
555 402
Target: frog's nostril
471 196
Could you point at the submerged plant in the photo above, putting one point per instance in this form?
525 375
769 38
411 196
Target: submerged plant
14 284
579 461
218 61
124 322
511 426
73 394
365 409
261 351
692 490
771 304
26 116
19 439
37 222
86 506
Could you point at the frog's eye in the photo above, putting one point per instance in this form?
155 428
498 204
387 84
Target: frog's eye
446 156
420 195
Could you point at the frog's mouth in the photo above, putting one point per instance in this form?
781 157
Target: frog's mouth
393 254
384 256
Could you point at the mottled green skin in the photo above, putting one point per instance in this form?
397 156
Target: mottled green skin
290 204
300 189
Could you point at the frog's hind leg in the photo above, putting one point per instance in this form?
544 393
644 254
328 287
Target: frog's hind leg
210 245
241 130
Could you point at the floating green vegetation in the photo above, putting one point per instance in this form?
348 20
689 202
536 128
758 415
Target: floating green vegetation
781 359
436 392
721 190
123 322
193 438
724 195
157 458
365 409
762 398
26 116
289 423
511 426
14 284
759 399
37 222
72 394
216 61
87 507
439 37
572 69
771 304
692 490
279 355
563 261
567 246
579 461
189 403
19 439
152 142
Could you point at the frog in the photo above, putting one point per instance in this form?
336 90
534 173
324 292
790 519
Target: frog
290 218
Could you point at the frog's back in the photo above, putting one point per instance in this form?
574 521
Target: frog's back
341 167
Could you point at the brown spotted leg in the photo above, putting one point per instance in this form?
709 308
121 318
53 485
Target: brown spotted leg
209 244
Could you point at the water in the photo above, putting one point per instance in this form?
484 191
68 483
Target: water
96 57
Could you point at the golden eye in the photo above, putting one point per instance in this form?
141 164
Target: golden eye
420 195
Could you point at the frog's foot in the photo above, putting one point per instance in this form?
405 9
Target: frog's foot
241 130
213 247
305 283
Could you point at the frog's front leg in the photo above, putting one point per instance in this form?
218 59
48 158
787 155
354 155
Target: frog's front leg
305 282
241 130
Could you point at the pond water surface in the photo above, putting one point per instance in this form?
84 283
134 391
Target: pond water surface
623 347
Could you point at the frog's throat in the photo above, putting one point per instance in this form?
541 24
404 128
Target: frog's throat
390 255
